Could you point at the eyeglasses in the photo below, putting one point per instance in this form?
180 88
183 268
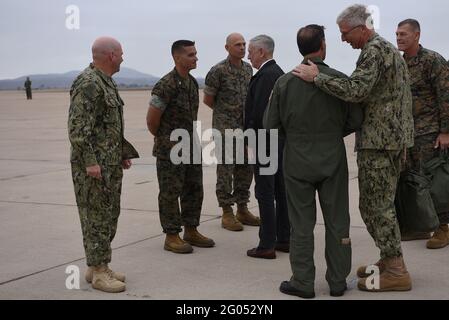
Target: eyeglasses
345 34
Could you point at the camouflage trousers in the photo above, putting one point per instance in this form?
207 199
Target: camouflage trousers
379 172
423 151
233 180
99 209
233 184
179 183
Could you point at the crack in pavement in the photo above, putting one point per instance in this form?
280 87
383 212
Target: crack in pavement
74 205
32 175
116 248
81 259
28 160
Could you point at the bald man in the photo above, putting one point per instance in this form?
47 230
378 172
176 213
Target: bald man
225 92
99 153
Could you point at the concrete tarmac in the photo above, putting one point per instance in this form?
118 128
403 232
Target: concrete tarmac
40 234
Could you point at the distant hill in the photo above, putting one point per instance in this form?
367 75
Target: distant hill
126 78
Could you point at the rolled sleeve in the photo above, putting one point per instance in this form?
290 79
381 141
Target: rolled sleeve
158 103
212 82
210 91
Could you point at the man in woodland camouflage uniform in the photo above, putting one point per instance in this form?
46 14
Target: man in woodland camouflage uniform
174 106
429 74
381 85
226 89
99 154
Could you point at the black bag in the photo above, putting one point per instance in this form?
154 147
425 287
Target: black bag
438 168
414 205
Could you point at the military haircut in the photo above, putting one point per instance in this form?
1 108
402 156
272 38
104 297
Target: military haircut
178 46
310 38
411 22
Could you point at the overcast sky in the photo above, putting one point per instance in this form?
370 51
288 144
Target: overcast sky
34 37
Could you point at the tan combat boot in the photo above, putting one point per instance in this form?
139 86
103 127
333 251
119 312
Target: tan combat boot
103 280
192 236
440 238
228 220
394 278
361 272
175 244
246 217
90 274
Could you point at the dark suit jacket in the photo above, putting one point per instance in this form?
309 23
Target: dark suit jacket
259 92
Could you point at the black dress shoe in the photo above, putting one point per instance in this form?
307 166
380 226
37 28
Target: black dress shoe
262 253
283 247
287 288
338 293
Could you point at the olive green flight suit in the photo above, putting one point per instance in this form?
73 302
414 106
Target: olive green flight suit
314 124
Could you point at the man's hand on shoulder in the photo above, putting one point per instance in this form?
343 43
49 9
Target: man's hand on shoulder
306 72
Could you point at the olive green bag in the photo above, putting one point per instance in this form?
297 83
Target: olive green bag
438 169
414 205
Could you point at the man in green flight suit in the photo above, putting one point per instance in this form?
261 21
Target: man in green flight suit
381 85
314 124
99 154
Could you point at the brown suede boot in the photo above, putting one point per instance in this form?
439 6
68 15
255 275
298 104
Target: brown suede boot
175 244
246 217
440 238
228 220
361 272
103 280
394 278
117 275
192 236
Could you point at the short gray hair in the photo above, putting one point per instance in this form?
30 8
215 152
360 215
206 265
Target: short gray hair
263 41
356 15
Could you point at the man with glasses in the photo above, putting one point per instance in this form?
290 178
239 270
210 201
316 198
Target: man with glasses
381 85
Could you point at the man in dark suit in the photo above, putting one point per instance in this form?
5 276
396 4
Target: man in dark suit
274 232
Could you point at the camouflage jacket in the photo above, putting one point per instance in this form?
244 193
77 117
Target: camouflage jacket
229 85
95 122
429 77
381 85
179 100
